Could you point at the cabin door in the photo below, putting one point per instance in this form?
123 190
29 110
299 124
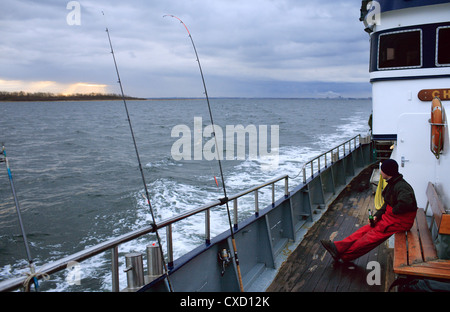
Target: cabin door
415 160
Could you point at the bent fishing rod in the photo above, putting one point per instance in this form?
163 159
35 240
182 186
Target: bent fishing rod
139 163
33 275
225 199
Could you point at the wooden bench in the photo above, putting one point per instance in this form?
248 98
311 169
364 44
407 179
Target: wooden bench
414 252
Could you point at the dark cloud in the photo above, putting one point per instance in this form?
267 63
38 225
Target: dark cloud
247 48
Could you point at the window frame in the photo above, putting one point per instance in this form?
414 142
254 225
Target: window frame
398 32
436 60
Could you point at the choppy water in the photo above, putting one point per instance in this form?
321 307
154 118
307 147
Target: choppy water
78 182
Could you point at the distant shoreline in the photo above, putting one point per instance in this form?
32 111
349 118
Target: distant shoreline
44 96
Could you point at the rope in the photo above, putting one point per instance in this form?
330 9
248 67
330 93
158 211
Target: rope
33 277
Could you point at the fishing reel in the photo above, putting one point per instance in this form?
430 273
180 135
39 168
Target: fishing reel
224 259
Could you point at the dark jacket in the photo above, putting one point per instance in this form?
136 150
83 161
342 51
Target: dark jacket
399 195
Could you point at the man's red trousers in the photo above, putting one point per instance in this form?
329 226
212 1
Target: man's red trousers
367 238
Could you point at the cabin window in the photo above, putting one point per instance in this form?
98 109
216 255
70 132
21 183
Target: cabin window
443 46
400 49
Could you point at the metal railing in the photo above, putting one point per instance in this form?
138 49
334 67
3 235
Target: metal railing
207 209
321 161
315 165
113 244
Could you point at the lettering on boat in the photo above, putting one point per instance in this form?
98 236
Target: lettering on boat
430 94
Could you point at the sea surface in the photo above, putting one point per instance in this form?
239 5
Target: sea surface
78 182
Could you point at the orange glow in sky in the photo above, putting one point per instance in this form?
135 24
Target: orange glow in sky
52 87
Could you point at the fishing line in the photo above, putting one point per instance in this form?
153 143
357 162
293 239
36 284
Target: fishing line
19 215
139 162
225 199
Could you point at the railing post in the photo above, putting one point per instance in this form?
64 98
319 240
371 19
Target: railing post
207 226
256 203
286 186
115 268
273 194
169 245
235 209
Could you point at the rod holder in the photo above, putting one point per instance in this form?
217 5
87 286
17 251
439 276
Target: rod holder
154 262
135 271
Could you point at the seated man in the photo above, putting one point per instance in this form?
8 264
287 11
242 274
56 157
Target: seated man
396 215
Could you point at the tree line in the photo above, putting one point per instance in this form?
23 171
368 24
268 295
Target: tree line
47 96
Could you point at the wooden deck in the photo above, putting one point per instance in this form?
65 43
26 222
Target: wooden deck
311 269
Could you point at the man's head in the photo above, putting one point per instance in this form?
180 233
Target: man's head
389 168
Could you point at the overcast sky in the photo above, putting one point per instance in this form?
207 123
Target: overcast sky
247 48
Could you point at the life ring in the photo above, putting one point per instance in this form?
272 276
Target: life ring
437 127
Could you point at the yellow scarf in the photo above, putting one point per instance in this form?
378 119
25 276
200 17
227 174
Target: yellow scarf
379 201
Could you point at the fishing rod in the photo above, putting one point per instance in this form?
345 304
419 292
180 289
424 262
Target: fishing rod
225 199
139 162
33 275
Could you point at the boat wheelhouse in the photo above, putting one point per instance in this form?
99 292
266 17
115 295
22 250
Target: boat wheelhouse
409 66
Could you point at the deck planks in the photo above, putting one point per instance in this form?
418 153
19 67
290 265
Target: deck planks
310 268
